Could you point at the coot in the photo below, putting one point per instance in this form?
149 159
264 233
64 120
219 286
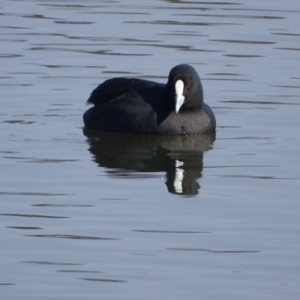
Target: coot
131 105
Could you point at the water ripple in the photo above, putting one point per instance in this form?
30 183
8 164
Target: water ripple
32 216
72 237
214 251
104 280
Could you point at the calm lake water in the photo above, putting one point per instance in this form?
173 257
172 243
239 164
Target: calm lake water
131 217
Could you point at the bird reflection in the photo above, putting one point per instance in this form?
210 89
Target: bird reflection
125 155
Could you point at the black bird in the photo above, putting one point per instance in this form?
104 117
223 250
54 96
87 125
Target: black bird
131 105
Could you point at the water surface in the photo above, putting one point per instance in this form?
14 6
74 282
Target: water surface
89 216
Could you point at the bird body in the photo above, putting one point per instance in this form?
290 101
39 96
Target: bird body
131 105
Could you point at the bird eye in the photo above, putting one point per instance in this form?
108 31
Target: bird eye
188 86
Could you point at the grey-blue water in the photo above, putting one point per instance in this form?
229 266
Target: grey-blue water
132 217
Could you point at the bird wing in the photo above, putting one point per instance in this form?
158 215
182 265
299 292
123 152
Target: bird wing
116 87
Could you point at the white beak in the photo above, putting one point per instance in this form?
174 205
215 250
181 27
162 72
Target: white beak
179 87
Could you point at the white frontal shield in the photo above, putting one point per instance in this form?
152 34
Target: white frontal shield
179 98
